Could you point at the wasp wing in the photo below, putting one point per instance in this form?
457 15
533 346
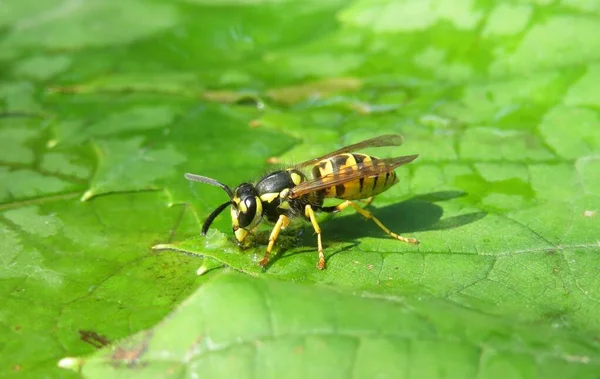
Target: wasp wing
350 173
385 140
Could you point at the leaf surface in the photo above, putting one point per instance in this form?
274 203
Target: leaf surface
105 105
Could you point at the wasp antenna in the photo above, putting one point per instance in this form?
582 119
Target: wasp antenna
212 182
212 217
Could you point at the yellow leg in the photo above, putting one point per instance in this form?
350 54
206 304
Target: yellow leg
308 211
367 201
281 223
369 215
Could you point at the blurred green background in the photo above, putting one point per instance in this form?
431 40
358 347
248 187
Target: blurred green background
104 105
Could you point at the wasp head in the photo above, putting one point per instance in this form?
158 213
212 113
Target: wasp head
246 211
246 207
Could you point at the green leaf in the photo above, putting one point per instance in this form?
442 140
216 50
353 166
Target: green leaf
307 331
104 105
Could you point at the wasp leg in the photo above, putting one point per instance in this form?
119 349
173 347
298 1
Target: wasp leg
310 213
368 215
339 207
367 201
281 223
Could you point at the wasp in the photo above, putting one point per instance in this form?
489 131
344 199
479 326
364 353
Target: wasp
288 194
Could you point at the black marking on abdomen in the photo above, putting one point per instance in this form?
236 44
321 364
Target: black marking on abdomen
359 158
339 190
316 173
338 161
374 163
387 176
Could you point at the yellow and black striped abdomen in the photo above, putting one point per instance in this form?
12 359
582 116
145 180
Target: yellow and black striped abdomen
357 189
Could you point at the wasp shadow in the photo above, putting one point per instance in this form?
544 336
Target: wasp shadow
417 214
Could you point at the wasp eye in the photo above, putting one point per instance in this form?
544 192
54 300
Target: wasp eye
245 218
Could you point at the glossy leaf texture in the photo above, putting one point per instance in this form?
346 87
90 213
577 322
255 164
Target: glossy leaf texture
104 105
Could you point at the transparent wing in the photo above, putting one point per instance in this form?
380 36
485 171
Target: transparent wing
385 140
350 173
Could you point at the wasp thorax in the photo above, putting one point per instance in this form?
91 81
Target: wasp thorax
246 210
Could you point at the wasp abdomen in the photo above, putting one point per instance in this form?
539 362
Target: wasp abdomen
362 188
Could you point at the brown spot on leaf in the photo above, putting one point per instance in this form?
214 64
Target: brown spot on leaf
319 89
130 355
225 97
93 338
232 97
